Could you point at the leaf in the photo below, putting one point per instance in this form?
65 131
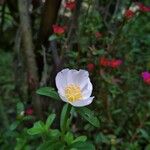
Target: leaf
48 91
20 107
68 138
64 116
52 37
54 133
14 125
51 145
50 120
88 115
144 134
38 128
82 146
147 147
80 139
21 143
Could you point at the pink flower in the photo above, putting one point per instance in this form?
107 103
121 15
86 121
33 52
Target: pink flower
143 8
29 111
129 14
90 67
146 77
58 29
70 5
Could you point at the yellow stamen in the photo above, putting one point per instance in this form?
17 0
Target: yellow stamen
73 93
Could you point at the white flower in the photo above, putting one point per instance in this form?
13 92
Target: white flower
134 8
74 87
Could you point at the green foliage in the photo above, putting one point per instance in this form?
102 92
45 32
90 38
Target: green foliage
48 91
88 115
40 128
117 119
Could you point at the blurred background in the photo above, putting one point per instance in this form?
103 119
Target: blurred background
109 38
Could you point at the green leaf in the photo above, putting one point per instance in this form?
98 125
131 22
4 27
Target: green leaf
50 120
88 115
52 37
20 107
54 133
48 91
64 116
14 125
144 134
80 139
82 146
38 128
51 145
68 138
147 147
21 143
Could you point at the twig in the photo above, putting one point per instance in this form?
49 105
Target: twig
44 73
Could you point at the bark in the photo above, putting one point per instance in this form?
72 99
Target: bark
33 80
49 18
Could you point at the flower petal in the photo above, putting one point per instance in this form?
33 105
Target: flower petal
87 89
63 98
61 80
81 103
78 77
75 77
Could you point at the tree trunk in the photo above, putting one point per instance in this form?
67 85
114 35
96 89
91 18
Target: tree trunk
49 17
33 80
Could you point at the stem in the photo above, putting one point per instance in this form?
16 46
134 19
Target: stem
65 118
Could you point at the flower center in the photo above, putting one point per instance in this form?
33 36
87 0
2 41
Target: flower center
73 93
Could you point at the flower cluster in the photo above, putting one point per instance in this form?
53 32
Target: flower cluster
143 8
70 5
113 63
60 30
129 14
146 77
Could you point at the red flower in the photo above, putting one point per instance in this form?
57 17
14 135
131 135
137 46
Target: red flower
104 62
90 67
70 5
98 34
29 111
115 63
147 81
129 14
58 29
143 8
